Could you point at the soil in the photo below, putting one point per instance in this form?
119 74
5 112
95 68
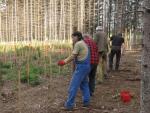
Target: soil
50 96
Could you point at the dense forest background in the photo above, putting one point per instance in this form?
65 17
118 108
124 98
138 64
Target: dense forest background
39 20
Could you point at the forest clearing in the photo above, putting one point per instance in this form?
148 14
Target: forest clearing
51 48
47 93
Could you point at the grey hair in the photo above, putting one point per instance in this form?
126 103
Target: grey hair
86 35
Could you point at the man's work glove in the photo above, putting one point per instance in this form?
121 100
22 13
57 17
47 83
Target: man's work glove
61 63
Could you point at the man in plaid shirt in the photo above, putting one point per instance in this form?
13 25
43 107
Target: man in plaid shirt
94 61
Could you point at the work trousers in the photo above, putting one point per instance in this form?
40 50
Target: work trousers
114 52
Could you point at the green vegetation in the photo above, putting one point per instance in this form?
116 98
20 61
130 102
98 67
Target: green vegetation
34 75
35 63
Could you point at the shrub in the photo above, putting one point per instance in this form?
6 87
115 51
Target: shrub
34 75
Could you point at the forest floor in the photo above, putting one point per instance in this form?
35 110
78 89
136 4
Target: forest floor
50 96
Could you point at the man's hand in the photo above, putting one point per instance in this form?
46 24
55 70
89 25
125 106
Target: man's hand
61 63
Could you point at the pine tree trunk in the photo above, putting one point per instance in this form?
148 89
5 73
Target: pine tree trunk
24 11
70 14
16 21
27 19
145 88
31 20
55 20
0 28
6 26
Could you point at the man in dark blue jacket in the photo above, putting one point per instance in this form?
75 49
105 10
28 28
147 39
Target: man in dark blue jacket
117 49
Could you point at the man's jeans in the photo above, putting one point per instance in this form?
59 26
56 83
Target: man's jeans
114 52
92 76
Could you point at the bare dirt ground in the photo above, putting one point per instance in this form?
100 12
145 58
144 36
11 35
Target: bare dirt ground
49 97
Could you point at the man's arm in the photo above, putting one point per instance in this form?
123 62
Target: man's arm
74 53
70 58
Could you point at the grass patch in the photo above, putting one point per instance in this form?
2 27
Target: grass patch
7 72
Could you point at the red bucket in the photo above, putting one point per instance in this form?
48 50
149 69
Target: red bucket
125 96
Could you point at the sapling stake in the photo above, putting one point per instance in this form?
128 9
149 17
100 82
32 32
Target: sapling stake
50 62
28 70
10 56
19 86
4 54
60 58
44 57
28 66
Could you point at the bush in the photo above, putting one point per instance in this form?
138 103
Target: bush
4 67
7 65
34 75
